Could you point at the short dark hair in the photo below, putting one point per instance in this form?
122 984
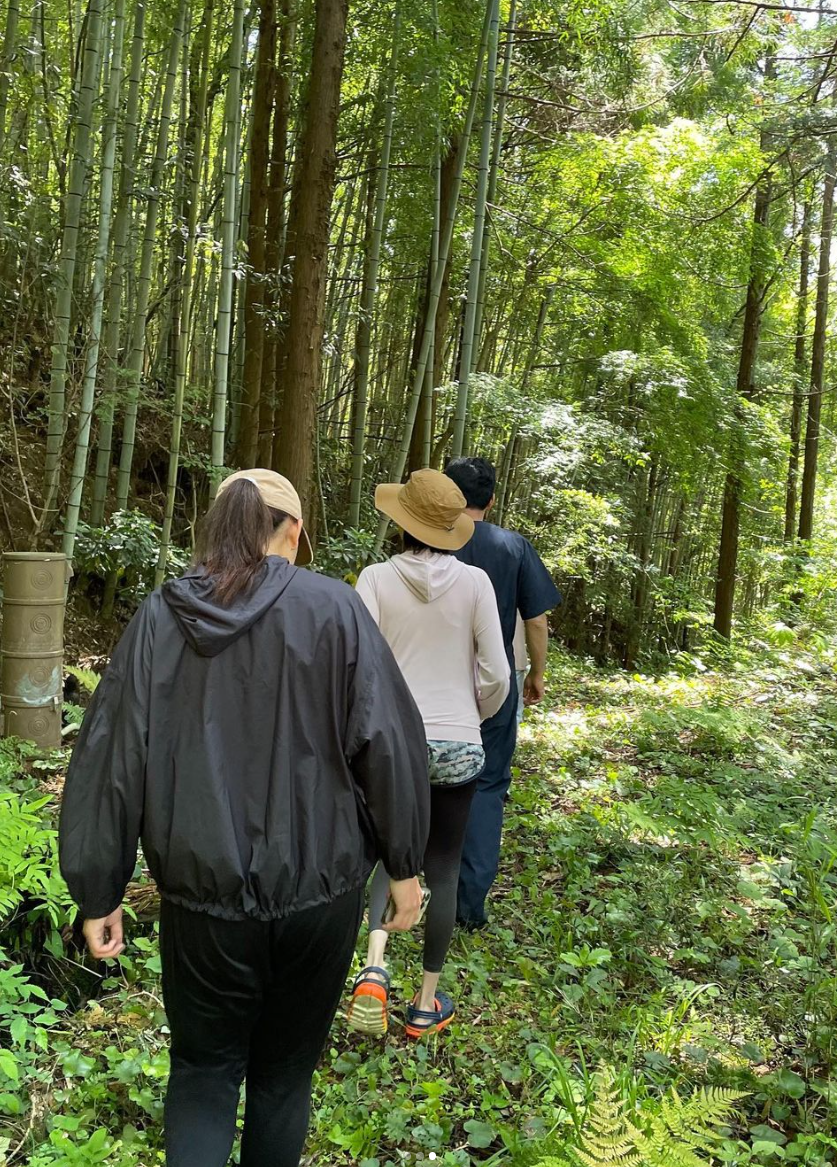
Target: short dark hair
411 543
476 478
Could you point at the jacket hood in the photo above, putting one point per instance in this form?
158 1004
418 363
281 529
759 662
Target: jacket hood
427 574
208 626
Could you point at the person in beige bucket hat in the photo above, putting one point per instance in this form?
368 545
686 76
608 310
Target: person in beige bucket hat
429 507
441 621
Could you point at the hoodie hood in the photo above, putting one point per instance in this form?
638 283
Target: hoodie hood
209 627
427 574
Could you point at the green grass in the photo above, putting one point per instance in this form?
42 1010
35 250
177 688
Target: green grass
666 908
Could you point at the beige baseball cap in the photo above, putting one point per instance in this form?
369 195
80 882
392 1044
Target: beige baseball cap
280 494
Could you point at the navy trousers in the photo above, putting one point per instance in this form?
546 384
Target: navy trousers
481 853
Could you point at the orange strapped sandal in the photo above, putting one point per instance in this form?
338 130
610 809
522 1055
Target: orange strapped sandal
367 1012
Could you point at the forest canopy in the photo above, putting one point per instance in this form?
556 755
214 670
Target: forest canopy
590 242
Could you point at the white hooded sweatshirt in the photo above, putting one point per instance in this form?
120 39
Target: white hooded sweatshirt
440 619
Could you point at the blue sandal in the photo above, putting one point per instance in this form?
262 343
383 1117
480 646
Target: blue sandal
422 1021
367 1012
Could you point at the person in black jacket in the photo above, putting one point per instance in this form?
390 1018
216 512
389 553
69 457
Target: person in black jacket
255 732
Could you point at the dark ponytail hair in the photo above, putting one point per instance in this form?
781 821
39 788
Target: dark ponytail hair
234 538
411 543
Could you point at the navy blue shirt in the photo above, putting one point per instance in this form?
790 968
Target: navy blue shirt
520 579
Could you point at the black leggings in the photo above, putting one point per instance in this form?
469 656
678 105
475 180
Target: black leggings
254 999
449 807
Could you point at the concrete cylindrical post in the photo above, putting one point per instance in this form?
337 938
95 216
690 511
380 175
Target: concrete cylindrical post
32 647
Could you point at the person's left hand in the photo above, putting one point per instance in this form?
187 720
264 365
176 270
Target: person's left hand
533 689
105 937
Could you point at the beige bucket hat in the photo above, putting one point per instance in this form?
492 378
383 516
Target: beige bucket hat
280 494
430 507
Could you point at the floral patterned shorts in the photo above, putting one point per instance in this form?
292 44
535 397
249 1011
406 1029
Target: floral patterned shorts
454 763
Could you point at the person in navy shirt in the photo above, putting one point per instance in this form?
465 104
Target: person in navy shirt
521 583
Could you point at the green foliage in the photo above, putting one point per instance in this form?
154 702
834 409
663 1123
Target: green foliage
665 906
345 555
127 548
74 714
676 1133
28 859
14 754
87 678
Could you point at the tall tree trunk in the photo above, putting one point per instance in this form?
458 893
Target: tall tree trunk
242 218
276 220
534 348
421 444
344 272
121 227
436 288
423 434
812 430
439 337
6 59
494 173
676 543
308 232
79 161
477 239
254 330
79 471
136 356
733 487
194 158
799 375
645 523
232 115
370 285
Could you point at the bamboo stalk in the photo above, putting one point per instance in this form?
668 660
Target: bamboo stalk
232 115
236 390
503 492
476 239
6 58
427 390
436 287
818 351
370 285
88 393
799 376
493 176
121 227
79 161
181 351
137 354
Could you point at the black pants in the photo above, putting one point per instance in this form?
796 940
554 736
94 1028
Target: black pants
449 808
255 1000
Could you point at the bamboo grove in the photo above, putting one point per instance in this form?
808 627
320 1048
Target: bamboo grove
588 241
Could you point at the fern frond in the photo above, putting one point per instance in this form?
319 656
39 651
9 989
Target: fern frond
85 677
605 1141
682 1133
621 1156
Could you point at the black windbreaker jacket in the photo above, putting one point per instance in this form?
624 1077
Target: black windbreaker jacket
267 753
